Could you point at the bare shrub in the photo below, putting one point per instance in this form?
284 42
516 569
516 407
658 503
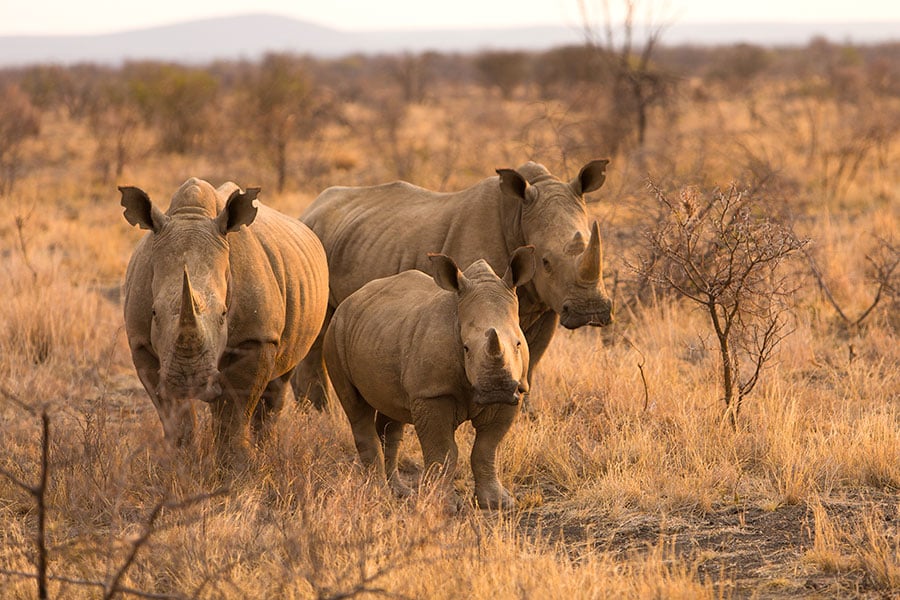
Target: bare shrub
719 253
279 106
505 70
737 66
175 100
113 118
882 261
633 83
19 120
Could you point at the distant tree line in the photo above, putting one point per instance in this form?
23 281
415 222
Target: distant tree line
283 98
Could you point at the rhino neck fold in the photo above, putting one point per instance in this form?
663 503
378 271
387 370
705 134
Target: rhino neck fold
511 224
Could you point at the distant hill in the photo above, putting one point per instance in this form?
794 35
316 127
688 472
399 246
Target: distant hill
250 36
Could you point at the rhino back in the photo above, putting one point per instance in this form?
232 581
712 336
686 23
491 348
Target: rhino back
374 232
396 339
280 286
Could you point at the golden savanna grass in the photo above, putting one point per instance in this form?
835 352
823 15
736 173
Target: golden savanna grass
630 482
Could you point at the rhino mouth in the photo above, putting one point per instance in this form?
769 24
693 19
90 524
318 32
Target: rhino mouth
511 395
573 320
207 391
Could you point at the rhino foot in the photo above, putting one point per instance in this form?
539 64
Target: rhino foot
494 498
400 489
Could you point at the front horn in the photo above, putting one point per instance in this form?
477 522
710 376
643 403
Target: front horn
590 260
188 314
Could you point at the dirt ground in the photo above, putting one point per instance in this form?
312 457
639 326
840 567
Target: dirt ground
759 551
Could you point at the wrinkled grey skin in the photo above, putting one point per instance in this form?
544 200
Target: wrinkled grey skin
222 299
373 232
435 356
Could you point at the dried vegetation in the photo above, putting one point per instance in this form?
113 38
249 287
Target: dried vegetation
630 484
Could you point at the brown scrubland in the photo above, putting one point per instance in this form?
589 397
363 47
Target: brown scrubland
633 477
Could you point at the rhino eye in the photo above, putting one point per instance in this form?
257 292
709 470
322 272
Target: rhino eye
546 262
466 349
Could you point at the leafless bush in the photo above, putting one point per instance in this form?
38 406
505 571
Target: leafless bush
175 100
113 586
113 118
504 69
279 106
634 83
719 253
19 120
882 271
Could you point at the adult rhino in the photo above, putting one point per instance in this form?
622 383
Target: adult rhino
374 232
219 312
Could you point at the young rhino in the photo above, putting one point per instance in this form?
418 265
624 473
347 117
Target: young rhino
433 356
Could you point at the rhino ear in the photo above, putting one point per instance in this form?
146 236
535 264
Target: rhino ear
445 272
591 177
240 210
513 184
139 210
521 267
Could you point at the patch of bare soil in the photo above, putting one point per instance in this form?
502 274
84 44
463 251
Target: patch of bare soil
752 552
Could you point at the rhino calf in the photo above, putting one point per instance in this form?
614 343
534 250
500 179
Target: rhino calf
219 312
434 356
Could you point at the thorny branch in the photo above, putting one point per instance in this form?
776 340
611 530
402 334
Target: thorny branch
640 366
39 491
883 267
716 252
114 585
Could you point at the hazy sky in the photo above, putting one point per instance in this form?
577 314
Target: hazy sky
104 16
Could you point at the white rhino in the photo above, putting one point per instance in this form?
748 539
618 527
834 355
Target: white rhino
219 312
373 232
435 356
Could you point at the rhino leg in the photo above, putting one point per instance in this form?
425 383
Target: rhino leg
270 404
246 371
435 423
178 420
391 433
362 423
538 336
310 381
491 426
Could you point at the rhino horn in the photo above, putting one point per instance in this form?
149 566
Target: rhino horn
493 344
590 260
576 245
188 316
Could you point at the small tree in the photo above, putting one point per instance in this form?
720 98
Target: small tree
633 82
504 69
19 120
719 252
280 105
113 119
175 100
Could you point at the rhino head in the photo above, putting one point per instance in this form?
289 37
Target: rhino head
495 353
190 287
568 252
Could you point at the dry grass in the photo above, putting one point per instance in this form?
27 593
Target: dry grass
618 497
